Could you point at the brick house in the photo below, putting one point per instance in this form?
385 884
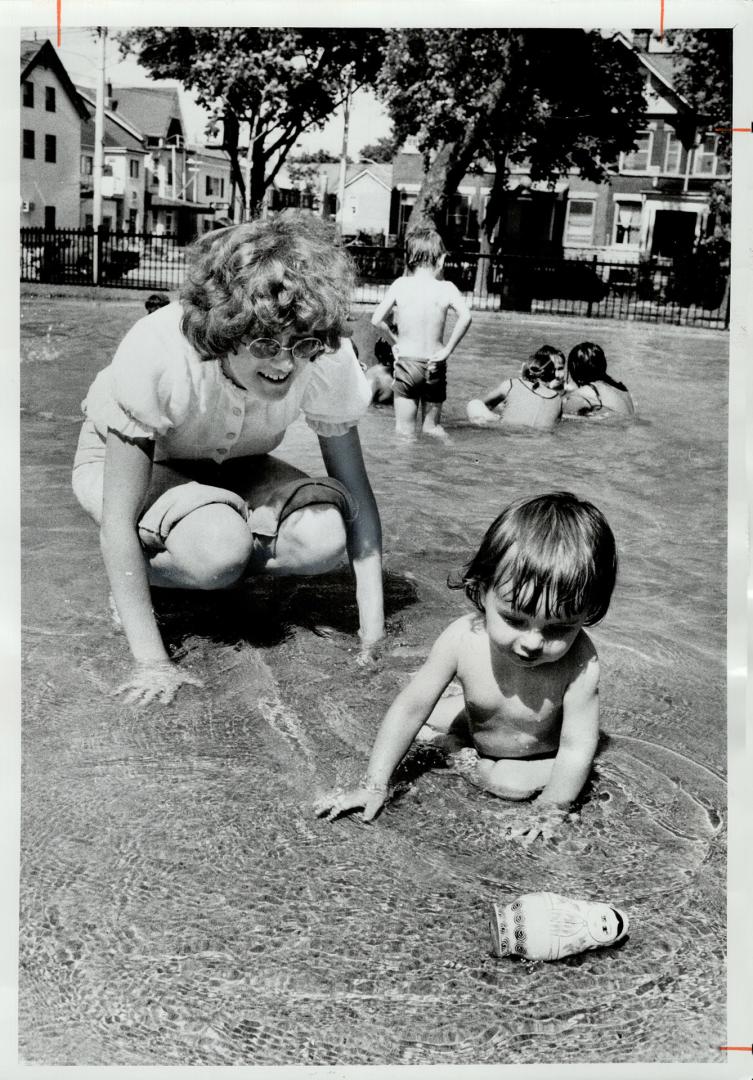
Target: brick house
52 115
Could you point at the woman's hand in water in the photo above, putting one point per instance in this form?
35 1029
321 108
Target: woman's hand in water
371 797
527 822
155 681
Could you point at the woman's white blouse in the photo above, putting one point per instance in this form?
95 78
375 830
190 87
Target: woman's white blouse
157 387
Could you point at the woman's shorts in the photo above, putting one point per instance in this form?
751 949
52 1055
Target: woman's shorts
263 489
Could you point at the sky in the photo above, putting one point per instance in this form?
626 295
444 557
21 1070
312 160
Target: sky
79 54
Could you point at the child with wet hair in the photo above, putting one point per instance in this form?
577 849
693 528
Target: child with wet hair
591 390
534 400
527 725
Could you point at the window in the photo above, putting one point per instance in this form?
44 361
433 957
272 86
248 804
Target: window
133 220
215 185
407 202
28 94
28 143
50 148
169 174
672 154
462 221
133 168
637 160
87 164
627 224
705 156
49 217
49 98
579 227
155 178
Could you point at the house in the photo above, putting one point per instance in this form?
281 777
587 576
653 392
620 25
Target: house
368 194
52 115
156 114
656 199
123 171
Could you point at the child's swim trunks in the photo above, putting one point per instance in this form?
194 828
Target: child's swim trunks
415 380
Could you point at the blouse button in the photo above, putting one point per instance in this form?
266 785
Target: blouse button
229 434
221 450
236 412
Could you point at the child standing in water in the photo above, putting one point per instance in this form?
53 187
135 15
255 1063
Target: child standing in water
529 721
421 303
534 400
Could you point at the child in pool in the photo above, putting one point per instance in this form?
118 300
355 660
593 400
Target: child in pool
590 389
532 401
529 720
420 303
381 374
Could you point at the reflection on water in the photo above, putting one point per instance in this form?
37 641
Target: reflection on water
180 903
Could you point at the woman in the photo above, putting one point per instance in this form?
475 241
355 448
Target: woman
173 460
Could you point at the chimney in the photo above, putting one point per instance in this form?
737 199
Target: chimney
641 39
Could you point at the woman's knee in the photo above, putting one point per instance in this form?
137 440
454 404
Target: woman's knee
212 545
311 541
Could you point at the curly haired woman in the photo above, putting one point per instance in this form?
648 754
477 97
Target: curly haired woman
173 462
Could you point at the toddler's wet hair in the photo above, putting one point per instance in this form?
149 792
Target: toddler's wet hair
554 554
423 247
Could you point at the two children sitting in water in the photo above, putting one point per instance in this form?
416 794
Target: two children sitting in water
550 387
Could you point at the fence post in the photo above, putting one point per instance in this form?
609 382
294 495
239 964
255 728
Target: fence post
590 299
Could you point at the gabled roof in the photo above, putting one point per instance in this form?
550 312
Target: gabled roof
661 65
42 54
152 110
114 135
130 136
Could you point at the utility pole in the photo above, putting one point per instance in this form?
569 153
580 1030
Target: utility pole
344 158
99 153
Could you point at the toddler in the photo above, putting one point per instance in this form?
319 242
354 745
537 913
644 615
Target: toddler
528 722
534 400
421 303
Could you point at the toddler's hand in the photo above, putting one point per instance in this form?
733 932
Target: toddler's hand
371 797
159 680
532 820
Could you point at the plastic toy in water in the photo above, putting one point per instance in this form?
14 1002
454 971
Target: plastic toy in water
547 926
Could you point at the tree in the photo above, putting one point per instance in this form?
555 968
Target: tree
277 81
382 151
559 99
704 76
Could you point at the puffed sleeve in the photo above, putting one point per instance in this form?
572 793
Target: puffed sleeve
338 393
146 389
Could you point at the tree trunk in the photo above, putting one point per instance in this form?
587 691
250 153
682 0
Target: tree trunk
489 224
445 172
230 132
257 179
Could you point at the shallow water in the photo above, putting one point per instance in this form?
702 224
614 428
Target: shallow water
181 904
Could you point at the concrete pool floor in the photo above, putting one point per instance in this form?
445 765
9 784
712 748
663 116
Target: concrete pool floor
181 905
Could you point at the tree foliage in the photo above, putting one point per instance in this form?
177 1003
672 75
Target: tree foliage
278 81
382 151
559 99
704 76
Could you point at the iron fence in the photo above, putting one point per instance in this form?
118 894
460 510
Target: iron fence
125 260
692 291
